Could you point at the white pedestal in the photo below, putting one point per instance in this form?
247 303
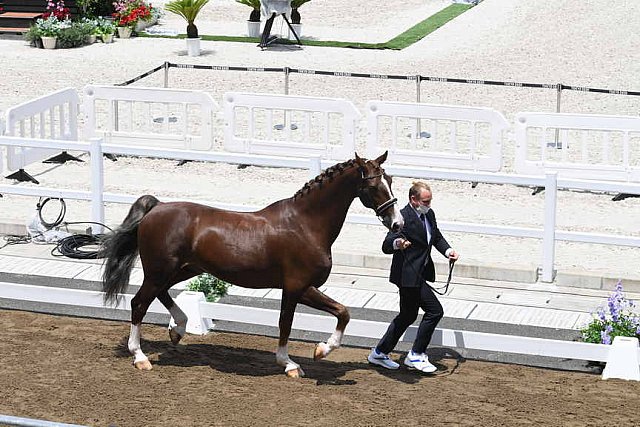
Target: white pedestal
193 46
623 360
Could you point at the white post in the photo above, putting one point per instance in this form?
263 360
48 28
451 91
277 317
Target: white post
97 185
315 167
549 235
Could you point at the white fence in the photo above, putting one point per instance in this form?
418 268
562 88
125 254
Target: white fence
163 118
54 116
200 313
305 126
550 182
582 146
458 137
191 148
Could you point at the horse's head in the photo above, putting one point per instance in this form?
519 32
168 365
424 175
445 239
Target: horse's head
375 192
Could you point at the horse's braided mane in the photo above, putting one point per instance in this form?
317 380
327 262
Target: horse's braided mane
329 173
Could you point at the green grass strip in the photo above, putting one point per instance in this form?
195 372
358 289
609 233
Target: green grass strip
405 39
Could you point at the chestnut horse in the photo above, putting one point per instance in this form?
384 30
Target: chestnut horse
286 245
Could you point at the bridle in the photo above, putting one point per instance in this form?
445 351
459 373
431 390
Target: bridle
368 202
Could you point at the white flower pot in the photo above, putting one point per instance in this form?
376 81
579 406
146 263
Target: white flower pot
253 29
91 39
49 42
193 46
298 29
124 32
107 38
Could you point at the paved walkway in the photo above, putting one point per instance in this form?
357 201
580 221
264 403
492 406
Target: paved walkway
468 298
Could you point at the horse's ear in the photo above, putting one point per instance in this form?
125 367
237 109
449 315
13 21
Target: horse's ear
359 160
380 160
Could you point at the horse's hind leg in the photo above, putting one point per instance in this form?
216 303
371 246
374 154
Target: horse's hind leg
139 306
177 332
316 299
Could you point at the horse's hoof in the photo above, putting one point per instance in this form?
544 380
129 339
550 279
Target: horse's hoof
294 373
318 353
143 365
175 337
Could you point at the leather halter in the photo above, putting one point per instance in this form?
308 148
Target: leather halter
384 206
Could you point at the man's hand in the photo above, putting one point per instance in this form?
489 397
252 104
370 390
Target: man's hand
453 255
403 244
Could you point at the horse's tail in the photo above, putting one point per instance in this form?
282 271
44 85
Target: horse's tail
120 249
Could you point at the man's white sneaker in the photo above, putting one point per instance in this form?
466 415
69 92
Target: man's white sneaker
419 362
381 359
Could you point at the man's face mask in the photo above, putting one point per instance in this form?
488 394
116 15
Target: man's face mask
422 209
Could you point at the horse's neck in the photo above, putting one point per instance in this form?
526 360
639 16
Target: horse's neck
326 207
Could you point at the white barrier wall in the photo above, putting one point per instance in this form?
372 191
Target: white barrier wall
439 136
153 117
53 116
581 146
285 125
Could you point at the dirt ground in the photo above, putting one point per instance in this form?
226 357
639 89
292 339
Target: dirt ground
77 370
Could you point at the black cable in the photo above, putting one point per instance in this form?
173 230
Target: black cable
71 246
61 214
16 239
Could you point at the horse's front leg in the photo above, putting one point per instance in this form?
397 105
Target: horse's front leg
316 299
287 310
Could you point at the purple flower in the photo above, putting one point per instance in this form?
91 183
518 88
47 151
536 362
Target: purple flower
601 314
604 336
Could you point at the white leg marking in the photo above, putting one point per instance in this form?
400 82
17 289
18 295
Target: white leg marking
134 344
332 343
282 358
180 318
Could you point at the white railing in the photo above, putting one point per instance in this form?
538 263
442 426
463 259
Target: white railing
457 137
154 117
582 146
200 313
304 126
550 182
54 116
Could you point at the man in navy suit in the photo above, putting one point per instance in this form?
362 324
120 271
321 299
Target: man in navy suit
411 269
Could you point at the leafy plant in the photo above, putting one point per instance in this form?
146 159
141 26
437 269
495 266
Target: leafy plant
104 27
212 287
295 5
255 9
49 27
189 10
33 34
74 35
620 320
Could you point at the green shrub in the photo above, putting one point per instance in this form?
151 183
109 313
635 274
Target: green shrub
212 287
73 36
33 35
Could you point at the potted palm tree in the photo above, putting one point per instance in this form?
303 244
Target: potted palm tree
253 24
189 9
295 17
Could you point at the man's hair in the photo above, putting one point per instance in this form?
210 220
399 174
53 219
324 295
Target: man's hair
417 187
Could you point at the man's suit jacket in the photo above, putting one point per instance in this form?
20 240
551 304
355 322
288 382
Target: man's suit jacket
410 267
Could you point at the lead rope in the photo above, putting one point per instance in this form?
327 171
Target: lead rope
439 290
